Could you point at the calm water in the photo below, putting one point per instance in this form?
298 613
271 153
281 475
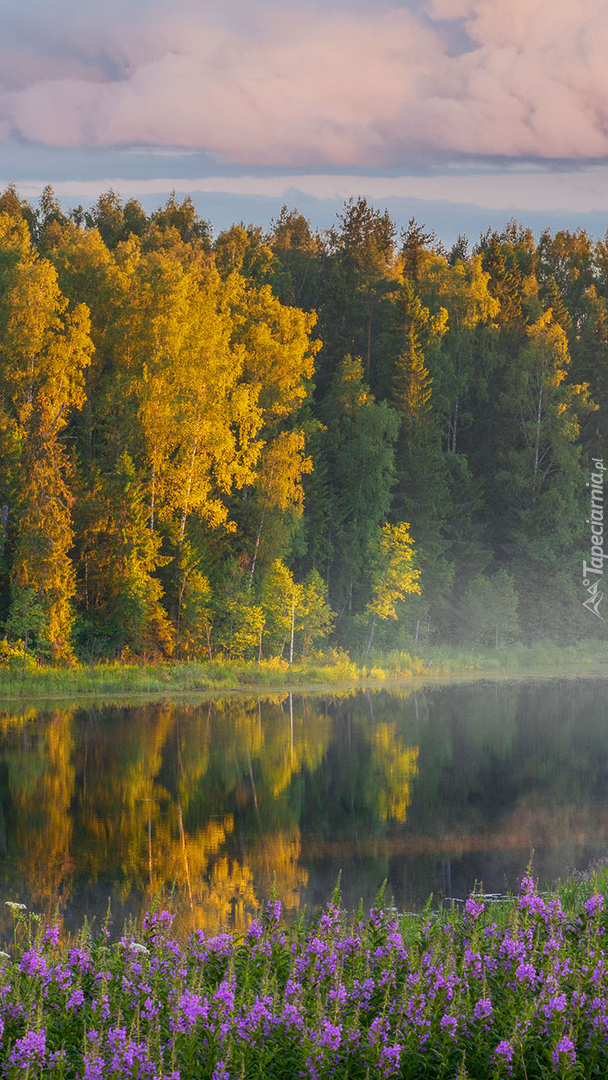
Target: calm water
432 790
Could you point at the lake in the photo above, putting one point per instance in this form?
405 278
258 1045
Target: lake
219 802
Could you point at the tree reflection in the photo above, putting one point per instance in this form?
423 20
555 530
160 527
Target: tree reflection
40 779
220 803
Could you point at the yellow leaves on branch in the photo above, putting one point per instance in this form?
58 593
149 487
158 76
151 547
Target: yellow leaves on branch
45 347
279 352
462 289
214 362
44 351
395 574
282 465
545 361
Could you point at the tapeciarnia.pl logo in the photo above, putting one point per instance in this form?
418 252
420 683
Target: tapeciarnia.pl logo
593 571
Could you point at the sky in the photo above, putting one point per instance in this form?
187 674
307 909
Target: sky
460 113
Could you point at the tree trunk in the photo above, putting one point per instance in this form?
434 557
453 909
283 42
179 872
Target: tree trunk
539 413
370 639
455 424
181 593
255 553
293 623
182 531
25 639
456 407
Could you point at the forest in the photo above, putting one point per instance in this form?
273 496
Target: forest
253 444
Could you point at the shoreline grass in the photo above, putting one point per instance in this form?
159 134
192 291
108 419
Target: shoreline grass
516 988
331 671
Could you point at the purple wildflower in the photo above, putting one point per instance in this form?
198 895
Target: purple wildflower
390 1060
504 1051
329 1036
474 907
93 1067
449 1024
565 1046
220 1072
32 963
192 1007
255 931
75 1000
273 912
593 904
224 995
556 1004
525 971
30 1051
157 923
483 1008
51 934
377 1031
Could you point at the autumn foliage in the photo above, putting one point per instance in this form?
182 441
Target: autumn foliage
237 447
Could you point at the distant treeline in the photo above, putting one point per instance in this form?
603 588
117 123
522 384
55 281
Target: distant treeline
241 445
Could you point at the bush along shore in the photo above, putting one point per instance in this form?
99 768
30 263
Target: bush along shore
333 667
517 988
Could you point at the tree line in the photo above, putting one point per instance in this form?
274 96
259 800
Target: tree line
239 446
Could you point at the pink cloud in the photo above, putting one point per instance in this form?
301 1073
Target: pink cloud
261 85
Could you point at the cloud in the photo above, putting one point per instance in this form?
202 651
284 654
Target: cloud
304 86
535 82
579 191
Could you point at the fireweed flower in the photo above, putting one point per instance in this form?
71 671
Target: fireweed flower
378 1032
220 1072
93 1067
224 995
347 991
595 903
51 934
29 1052
474 907
33 963
329 1036
449 1024
504 1051
556 1004
192 1007
525 972
75 1000
390 1060
157 924
483 1009
272 913
255 931
564 1052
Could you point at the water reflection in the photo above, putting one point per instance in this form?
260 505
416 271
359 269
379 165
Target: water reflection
222 801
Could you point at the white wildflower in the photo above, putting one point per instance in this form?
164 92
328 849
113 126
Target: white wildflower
14 906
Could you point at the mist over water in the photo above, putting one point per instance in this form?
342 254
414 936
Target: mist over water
432 790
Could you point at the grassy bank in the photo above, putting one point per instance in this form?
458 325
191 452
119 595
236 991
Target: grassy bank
333 669
489 989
